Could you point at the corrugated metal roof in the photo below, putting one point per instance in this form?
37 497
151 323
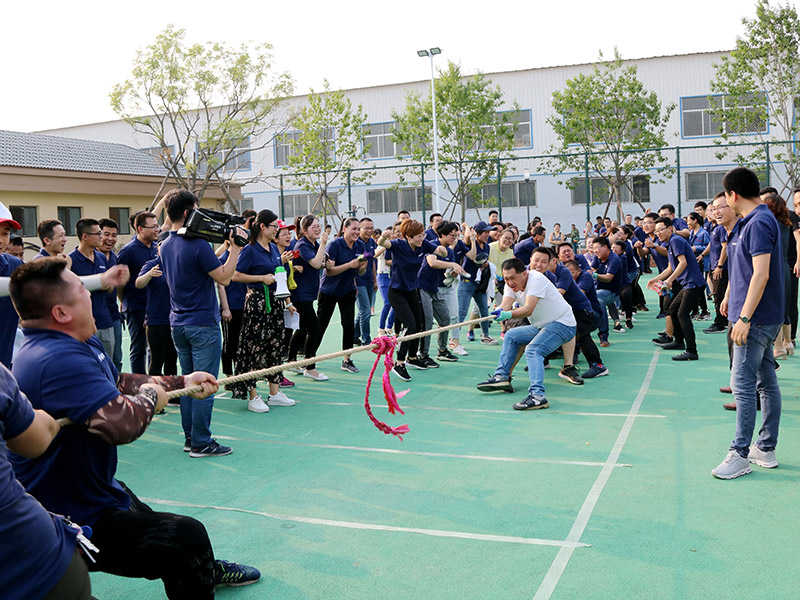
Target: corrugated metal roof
68 154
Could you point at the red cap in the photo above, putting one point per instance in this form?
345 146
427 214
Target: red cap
5 217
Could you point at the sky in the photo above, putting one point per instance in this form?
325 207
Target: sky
60 60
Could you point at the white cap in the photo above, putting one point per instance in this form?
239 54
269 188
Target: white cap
5 217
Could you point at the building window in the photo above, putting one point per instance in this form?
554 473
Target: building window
601 191
703 186
27 217
521 120
284 148
236 158
379 141
122 216
165 155
697 119
393 200
69 216
298 205
514 194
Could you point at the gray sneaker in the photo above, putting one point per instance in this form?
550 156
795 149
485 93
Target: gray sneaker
496 383
763 458
732 467
532 403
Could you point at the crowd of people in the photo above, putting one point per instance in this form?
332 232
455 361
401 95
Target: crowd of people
270 300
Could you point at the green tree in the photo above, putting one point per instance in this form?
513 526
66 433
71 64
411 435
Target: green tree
760 85
204 106
608 118
327 144
471 129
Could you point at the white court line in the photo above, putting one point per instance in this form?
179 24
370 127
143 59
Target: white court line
553 575
373 527
486 410
511 459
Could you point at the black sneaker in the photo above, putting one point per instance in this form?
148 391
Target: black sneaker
446 356
213 449
662 338
673 345
417 363
532 403
187 445
496 383
715 329
686 356
348 365
234 574
596 370
399 369
570 373
629 323
643 308
429 362
619 328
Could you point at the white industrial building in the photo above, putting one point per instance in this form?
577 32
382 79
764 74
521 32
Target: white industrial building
680 79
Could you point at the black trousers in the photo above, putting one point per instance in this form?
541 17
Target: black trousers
308 334
230 340
793 304
74 583
408 315
719 287
163 356
586 322
680 309
156 545
626 300
347 312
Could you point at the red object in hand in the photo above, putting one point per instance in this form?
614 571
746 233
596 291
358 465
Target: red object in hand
295 253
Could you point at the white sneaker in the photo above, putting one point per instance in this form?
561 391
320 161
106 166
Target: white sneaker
318 377
280 399
762 458
732 467
459 350
257 405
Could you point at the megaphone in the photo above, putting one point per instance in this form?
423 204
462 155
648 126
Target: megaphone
282 290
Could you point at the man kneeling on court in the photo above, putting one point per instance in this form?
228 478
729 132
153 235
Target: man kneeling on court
64 370
552 324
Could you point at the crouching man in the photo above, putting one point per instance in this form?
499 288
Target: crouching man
552 324
63 370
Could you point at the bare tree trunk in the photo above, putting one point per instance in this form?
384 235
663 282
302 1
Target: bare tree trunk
157 197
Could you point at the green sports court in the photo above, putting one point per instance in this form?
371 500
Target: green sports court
606 494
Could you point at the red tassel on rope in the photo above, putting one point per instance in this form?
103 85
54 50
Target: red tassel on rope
385 346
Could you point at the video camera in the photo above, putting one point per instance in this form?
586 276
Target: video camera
214 226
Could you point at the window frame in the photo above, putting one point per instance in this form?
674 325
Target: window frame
64 217
20 218
703 110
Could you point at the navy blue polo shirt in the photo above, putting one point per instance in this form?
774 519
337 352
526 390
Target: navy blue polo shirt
613 265
691 277
469 265
368 278
631 264
639 234
699 240
709 225
431 235
42 254
69 378
754 235
524 250
134 254
37 547
186 263
582 262
431 279
255 259
235 291
308 281
340 253
719 236
157 312
679 224
111 298
563 280
585 283
660 260
406 263
83 266
8 314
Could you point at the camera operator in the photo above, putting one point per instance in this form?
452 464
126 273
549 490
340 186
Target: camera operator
191 269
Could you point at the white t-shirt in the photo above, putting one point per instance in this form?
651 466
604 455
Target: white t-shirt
551 306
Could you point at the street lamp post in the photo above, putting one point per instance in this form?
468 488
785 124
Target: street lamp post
527 175
431 53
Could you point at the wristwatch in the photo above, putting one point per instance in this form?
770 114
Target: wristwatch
744 319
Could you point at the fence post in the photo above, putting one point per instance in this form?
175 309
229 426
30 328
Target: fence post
499 193
349 195
587 185
422 180
678 167
766 148
282 210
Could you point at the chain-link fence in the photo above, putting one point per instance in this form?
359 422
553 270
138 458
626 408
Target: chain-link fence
571 189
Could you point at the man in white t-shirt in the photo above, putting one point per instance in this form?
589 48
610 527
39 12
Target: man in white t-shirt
552 324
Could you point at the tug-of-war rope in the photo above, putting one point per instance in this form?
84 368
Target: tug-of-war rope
381 346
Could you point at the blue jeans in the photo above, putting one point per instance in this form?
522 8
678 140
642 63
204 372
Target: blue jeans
116 358
606 298
365 296
135 322
199 349
753 373
539 343
387 312
468 290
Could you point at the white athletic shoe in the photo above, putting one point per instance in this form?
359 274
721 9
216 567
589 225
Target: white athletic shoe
280 399
298 370
732 467
257 405
762 458
459 350
318 377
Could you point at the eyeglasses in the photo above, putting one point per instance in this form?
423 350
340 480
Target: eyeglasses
662 230
275 225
